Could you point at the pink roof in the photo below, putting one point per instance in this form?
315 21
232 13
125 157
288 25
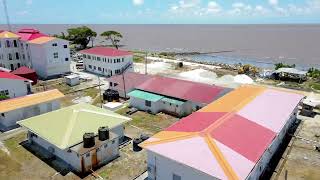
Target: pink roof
233 138
181 89
30 34
106 51
132 80
23 70
7 75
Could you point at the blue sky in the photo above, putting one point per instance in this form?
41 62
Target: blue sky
162 11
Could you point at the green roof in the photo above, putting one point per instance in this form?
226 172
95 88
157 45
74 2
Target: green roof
145 95
65 127
173 101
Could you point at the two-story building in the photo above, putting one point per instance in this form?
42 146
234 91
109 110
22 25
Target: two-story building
12 86
107 61
48 56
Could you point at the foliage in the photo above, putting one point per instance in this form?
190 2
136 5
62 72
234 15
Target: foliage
167 54
62 36
113 36
248 69
315 86
81 35
314 73
138 59
3 97
282 65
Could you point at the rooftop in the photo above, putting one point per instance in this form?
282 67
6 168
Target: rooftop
228 137
29 100
65 127
23 70
131 79
106 51
7 75
181 89
291 71
8 34
145 95
30 34
42 40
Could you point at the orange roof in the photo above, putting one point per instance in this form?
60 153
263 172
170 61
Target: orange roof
29 100
42 40
7 34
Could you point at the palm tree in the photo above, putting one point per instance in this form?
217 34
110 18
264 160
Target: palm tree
113 36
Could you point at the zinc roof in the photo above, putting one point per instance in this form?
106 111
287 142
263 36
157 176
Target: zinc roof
29 100
229 136
8 34
65 127
41 40
145 95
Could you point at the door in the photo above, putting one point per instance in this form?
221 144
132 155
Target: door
94 159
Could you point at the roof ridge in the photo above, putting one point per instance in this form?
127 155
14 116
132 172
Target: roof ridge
70 128
101 113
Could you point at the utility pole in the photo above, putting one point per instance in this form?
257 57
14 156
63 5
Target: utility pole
101 99
6 13
124 86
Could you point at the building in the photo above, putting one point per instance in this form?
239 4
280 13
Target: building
72 80
14 86
173 96
48 56
131 79
10 51
231 138
107 61
26 73
16 109
62 132
290 73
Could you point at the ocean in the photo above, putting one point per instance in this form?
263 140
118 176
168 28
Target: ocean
262 45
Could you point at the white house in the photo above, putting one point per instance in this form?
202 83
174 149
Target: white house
107 61
10 52
48 56
16 109
64 134
14 86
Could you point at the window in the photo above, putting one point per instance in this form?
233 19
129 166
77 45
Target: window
66 59
7 43
17 56
89 57
113 141
98 58
94 58
65 46
18 65
99 68
15 44
4 93
110 84
2 114
114 61
122 59
94 67
148 103
55 55
54 44
21 45
176 177
11 67
10 56
84 56
23 56
90 66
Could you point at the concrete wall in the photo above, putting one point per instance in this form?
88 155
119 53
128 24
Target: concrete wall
9 119
140 104
4 51
162 168
107 67
16 88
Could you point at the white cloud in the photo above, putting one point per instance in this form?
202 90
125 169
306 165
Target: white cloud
273 2
138 2
22 13
214 7
29 2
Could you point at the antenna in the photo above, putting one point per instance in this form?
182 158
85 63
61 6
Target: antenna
6 13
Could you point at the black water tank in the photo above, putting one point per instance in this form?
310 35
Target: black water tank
135 144
115 95
88 140
103 133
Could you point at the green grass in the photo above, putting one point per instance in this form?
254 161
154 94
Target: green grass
138 59
315 86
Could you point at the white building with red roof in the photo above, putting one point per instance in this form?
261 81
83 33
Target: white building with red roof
107 61
48 56
13 86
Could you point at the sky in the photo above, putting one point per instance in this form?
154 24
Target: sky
161 11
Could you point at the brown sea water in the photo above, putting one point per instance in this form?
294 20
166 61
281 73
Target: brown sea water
294 44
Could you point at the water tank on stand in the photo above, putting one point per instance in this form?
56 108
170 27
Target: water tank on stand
104 133
88 140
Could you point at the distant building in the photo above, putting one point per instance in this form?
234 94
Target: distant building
234 137
14 86
48 56
290 73
173 96
16 109
131 79
63 134
107 61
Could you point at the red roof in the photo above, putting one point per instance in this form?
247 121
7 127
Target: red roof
106 51
181 89
132 80
23 70
30 34
6 75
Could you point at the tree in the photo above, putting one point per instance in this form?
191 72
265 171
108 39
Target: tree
282 65
81 35
62 36
113 36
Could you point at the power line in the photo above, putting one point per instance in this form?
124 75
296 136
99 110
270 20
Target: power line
6 13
